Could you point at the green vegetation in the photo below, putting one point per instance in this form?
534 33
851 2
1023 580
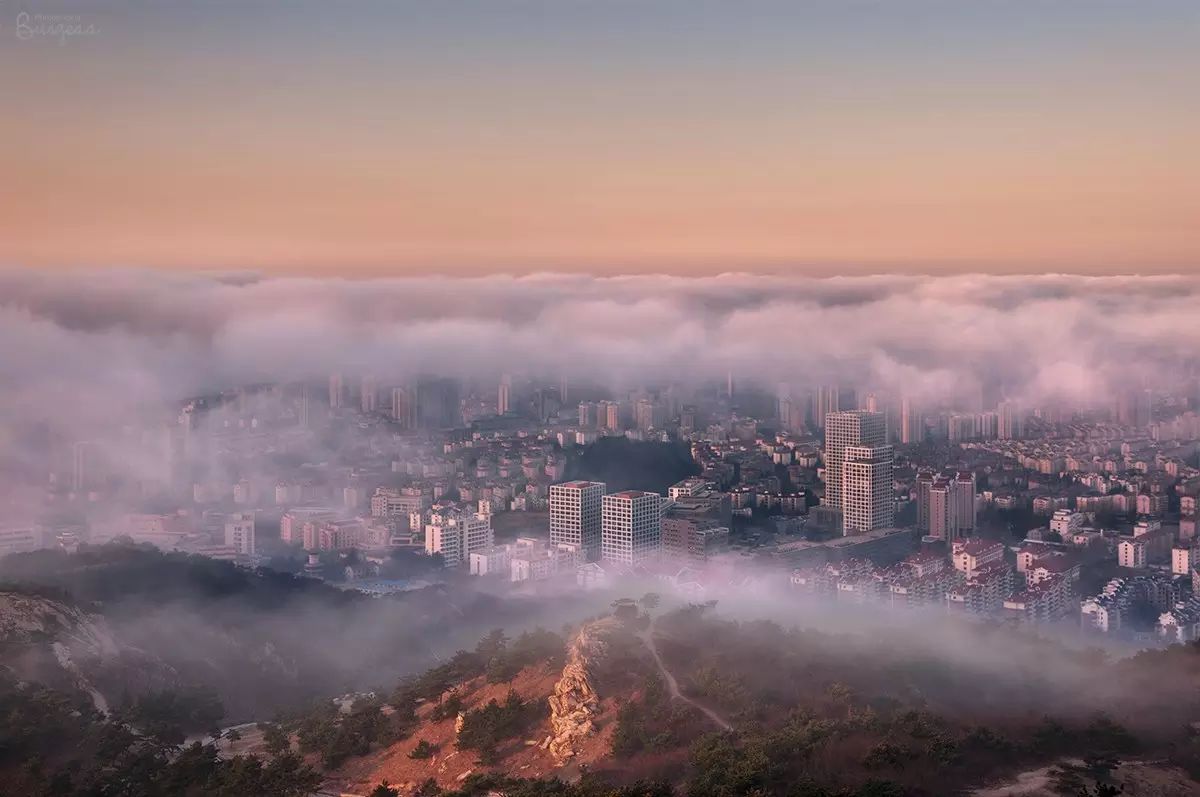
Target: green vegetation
423 750
625 464
485 729
55 743
170 716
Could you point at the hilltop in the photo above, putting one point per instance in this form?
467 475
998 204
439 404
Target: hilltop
639 701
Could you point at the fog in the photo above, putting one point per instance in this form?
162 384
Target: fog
84 353
139 335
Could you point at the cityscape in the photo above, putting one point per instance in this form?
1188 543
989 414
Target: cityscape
1081 521
595 398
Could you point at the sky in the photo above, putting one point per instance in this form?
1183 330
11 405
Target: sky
467 137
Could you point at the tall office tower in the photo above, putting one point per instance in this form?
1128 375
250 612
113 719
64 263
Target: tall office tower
868 490
964 503
239 532
504 395
563 389
925 480
870 403
729 385
631 527
370 394
1009 420
575 512
337 392
842 429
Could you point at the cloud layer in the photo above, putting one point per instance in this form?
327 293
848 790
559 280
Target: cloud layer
81 343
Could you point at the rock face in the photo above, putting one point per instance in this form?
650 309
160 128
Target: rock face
42 635
575 704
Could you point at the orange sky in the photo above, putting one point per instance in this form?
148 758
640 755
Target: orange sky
809 140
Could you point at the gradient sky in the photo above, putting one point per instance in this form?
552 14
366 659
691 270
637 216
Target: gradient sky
606 135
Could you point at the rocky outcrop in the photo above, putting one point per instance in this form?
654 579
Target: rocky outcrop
55 642
575 704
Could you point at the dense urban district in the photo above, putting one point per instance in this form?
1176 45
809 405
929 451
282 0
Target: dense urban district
348 536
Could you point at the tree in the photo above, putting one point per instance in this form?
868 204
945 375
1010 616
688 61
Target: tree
384 790
625 609
423 750
275 738
495 643
650 600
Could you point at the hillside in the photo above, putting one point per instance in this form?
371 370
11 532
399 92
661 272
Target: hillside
641 701
701 705
186 622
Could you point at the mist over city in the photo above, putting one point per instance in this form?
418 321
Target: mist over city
677 398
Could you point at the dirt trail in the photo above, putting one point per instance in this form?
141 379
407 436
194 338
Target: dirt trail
647 637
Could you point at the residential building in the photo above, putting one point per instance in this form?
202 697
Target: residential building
239 533
456 533
576 508
848 429
631 527
868 489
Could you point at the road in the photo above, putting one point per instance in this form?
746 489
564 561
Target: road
647 637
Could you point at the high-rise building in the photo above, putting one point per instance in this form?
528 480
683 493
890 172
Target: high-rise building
504 395
83 466
337 392
826 399
610 415
587 414
239 532
912 425
404 407
868 489
1145 408
631 527
302 409
438 403
843 429
925 480
575 515
370 394
965 514
1009 421
946 505
649 414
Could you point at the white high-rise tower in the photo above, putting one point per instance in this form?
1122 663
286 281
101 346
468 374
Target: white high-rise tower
575 510
843 429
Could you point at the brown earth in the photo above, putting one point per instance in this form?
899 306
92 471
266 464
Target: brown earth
522 758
